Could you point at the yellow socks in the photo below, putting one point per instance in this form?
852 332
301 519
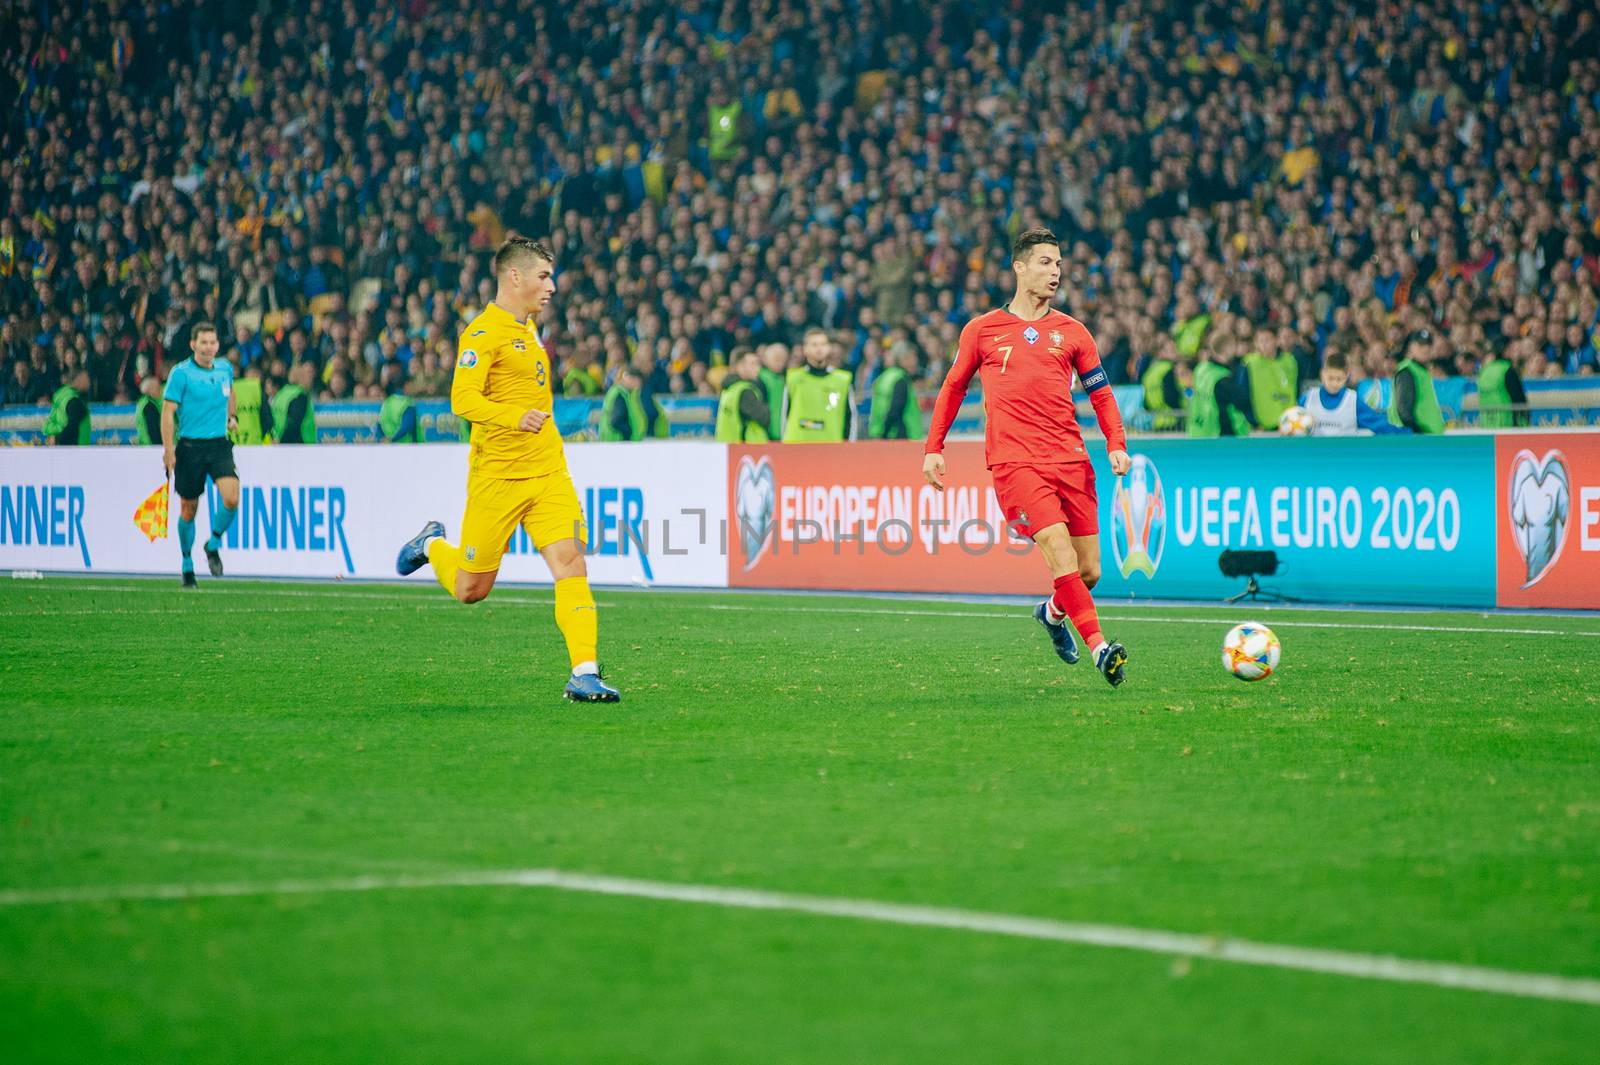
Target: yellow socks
445 560
577 619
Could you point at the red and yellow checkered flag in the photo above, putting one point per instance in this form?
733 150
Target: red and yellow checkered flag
151 517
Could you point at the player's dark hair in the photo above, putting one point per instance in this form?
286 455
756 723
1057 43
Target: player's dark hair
1029 239
520 250
1335 360
198 328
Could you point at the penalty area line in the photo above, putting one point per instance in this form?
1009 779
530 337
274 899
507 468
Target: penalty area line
1382 967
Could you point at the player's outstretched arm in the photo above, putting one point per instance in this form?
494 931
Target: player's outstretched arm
169 434
951 393
1086 360
467 400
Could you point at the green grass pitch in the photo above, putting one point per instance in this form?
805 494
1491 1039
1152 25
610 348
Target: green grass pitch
1429 794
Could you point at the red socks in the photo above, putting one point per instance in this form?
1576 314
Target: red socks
1072 600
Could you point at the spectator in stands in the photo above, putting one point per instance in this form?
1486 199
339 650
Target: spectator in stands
23 387
1577 351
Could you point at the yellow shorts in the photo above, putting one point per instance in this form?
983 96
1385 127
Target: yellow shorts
545 506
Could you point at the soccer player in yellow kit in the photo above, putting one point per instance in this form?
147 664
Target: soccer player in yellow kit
518 470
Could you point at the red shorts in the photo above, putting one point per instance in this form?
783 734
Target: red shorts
1035 497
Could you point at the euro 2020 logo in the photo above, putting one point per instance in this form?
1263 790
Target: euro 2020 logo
754 495
1540 502
1138 519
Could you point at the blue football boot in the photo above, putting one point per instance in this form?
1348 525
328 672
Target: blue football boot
589 688
1110 661
1060 635
414 555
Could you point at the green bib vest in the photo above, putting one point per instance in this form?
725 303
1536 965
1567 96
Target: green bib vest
723 136
1188 333
141 424
772 384
579 383
661 427
1272 385
1494 399
817 406
636 418
1205 413
392 413
247 393
731 426
1164 418
280 414
910 427
55 422
1429 418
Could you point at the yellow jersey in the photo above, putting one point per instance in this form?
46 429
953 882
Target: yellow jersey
502 372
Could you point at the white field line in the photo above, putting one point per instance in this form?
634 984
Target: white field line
331 592
1156 615
1383 967
1157 618
333 607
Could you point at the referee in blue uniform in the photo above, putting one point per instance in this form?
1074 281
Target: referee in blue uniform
198 412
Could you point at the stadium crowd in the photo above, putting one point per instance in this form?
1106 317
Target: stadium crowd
326 180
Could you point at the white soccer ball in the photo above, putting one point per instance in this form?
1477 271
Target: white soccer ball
1251 651
1296 421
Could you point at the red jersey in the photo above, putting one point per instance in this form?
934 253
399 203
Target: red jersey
1027 370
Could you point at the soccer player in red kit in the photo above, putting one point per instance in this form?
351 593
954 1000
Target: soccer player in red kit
1026 354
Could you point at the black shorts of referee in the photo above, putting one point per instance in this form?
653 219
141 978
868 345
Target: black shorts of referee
199 459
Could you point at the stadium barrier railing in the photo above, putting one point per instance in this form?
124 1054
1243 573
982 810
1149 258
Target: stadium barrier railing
1556 403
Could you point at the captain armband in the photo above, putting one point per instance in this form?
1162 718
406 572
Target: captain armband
1095 379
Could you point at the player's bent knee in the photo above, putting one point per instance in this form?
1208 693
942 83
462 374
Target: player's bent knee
1058 550
473 587
1090 575
565 559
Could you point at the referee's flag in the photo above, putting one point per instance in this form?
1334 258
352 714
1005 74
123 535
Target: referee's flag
151 517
